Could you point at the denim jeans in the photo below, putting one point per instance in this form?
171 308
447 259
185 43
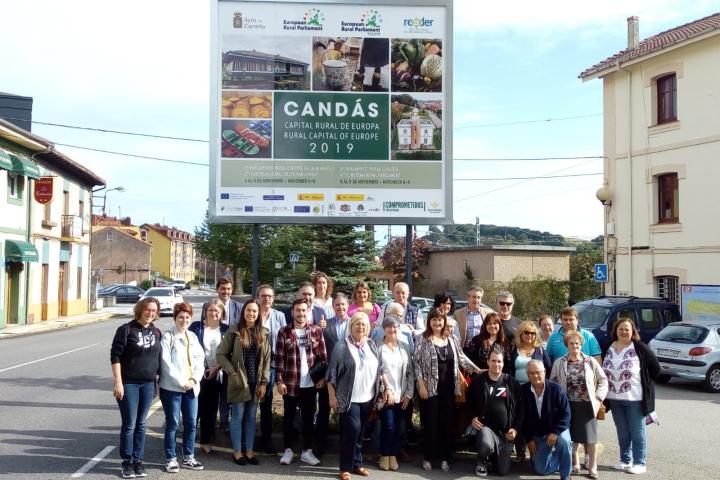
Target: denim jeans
175 403
390 429
548 460
631 430
242 424
133 411
352 424
266 409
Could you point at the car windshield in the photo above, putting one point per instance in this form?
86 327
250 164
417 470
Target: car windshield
591 316
159 292
682 334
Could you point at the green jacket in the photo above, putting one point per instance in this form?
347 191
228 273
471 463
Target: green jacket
230 358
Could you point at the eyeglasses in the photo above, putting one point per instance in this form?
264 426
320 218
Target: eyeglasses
505 304
533 334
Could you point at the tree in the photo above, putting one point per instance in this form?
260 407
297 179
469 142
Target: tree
230 245
394 255
582 272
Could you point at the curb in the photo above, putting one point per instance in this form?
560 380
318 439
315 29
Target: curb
58 324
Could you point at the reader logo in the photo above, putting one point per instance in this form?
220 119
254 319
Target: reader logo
418 25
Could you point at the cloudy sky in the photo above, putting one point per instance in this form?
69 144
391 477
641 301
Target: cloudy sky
143 67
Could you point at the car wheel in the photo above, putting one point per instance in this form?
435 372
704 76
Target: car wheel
662 379
712 379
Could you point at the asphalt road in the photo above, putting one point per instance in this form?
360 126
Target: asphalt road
58 414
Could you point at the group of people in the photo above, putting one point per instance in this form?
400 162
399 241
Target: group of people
513 384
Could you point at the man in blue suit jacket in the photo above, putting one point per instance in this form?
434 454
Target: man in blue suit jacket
547 422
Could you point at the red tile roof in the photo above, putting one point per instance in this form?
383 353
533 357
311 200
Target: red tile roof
658 42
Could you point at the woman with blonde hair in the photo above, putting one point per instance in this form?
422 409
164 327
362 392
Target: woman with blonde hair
438 362
362 302
586 385
526 347
244 356
353 381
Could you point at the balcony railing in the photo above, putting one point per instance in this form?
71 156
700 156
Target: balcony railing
73 226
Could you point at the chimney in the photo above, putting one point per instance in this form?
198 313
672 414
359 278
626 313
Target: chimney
633 24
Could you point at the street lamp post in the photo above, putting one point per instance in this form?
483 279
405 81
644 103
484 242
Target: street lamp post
119 189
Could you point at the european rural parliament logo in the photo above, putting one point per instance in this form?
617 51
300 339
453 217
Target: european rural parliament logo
312 20
371 19
314 17
369 24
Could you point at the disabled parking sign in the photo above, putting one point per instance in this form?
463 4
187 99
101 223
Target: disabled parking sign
601 272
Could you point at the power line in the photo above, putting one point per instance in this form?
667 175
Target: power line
525 178
525 122
145 157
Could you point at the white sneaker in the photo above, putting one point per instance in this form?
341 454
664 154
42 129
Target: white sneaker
308 457
172 466
621 466
637 469
287 457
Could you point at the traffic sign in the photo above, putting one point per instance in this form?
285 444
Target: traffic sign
294 257
601 272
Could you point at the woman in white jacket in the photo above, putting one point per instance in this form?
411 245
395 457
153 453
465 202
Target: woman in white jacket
586 385
181 369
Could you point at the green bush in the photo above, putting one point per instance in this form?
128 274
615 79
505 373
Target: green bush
145 284
532 297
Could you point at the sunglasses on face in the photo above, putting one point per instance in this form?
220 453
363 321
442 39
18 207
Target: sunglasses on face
505 304
533 334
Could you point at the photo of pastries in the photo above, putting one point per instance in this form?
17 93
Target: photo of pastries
244 104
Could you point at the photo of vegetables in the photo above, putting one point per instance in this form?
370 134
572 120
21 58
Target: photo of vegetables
238 104
416 65
246 139
351 64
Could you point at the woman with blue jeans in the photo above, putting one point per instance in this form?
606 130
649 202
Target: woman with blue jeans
181 370
244 355
135 359
630 367
397 359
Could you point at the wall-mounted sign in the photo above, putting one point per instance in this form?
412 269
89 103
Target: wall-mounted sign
331 112
43 190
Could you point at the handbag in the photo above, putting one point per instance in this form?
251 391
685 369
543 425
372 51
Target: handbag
379 403
317 372
463 389
601 412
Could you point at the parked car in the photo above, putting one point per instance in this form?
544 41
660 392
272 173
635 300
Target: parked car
167 296
179 284
421 302
649 314
122 293
690 350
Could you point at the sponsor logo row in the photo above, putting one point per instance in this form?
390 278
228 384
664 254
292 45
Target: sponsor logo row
369 23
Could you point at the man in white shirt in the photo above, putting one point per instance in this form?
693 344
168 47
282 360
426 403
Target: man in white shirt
470 318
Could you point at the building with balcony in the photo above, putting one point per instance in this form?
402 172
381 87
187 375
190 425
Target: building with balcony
173 253
44 229
661 98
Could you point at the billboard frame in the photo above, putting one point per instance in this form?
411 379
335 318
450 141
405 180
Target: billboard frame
447 163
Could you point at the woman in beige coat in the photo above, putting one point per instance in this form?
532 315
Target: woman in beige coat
586 385
244 355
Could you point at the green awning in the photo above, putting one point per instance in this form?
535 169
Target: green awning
25 167
5 161
20 251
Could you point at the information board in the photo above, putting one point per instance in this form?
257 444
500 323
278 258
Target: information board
330 112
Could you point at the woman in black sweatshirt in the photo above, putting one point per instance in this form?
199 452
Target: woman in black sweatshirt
135 359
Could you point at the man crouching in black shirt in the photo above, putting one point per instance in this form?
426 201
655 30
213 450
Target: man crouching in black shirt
496 404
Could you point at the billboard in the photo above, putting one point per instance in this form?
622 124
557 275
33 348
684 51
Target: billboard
325 112
700 302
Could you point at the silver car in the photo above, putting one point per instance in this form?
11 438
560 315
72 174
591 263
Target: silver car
690 350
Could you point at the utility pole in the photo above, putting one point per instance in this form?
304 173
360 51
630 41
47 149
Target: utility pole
477 231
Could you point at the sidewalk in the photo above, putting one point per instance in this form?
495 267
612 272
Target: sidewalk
12 331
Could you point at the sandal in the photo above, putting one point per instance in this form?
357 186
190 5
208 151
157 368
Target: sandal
363 472
576 470
344 475
427 466
444 466
593 474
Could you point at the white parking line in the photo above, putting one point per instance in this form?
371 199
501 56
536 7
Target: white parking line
93 461
47 358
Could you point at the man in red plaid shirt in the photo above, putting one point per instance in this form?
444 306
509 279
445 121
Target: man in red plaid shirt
299 348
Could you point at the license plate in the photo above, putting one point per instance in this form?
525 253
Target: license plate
667 353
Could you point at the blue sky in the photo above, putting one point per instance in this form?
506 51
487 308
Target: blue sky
143 67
